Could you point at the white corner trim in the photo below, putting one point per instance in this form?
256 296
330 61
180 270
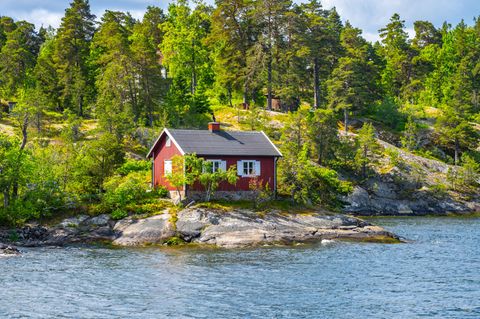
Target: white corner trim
275 147
164 131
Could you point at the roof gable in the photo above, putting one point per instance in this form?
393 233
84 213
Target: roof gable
234 143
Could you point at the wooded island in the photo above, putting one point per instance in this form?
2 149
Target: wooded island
356 122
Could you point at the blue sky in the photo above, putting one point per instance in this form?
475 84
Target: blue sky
369 15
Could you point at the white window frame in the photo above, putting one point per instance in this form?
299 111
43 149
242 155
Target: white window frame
248 168
216 165
168 141
165 166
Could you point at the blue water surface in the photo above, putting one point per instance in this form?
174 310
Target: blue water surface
436 275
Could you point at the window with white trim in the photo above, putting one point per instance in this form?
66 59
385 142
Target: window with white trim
216 165
248 168
167 168
168 142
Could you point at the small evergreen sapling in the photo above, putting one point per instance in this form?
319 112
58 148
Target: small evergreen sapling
368 146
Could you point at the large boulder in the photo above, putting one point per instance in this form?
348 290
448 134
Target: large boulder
136 232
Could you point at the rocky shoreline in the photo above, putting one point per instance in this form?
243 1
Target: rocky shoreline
8 250
228 229
410 186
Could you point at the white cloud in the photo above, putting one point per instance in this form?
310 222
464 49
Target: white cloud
372 15
40 17
371 36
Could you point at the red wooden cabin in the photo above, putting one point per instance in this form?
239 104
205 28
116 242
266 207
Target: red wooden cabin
254 155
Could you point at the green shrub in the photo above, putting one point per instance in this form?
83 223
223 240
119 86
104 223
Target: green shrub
13 236
469 170
310 184
118 214
45 198
394 157
161 191
387 113
17 213
148 208
439 189
122 190
134 166
174 241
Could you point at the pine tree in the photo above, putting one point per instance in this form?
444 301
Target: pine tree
45 74
145 39
72 50
424 49
455 132
396 53
17 58
367 147
232 37
410 135
323 134
7 25
353 83
270 17
116 82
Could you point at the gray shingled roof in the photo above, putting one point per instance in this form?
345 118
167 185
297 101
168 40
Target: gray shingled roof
204 142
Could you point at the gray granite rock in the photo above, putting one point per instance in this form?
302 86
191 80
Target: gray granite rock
135 232
100 220
242 228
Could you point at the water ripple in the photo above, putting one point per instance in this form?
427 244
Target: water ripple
434 276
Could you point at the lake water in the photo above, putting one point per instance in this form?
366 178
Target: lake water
437 275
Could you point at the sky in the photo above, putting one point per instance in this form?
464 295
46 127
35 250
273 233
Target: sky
368 15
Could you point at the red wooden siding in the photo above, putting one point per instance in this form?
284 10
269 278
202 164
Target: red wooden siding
267 173
160 154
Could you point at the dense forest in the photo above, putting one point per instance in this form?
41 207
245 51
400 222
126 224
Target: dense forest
81 104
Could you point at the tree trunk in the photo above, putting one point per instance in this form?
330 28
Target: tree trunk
194 71
457 150
207 195
229 93
316 83
22 146
345 120
364 164
80 106
6 199
179 195
269 85
475 99
245 94
38 123
24 132
321 148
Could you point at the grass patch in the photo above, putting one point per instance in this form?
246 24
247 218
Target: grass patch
225 205
150 208
174 241
173 211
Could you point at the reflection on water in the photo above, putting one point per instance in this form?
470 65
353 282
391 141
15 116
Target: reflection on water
435 276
